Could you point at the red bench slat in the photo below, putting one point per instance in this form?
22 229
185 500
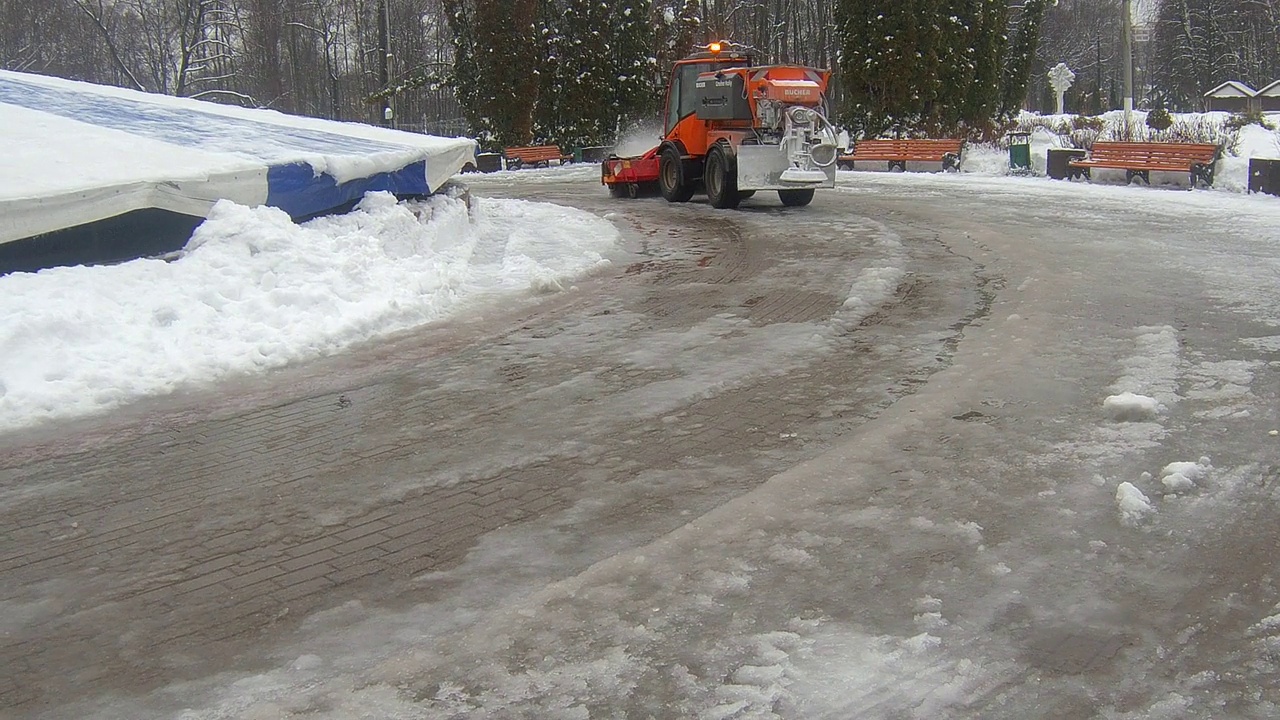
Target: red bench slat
1144 157
534 154
908 150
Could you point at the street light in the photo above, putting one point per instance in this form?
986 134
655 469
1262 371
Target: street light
1126 52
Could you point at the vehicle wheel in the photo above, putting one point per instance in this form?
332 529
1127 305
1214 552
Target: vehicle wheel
671 181
721 178
633 190
796 198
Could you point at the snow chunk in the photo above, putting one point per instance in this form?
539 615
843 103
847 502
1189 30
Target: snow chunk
1131 407
761 675
922 643
1181 476
1266 625
1193 470
308 662
929 603
930 621
1134 506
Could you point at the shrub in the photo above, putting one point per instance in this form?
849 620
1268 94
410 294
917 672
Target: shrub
1085 130
1239 120
1159 120
1199 130
1086 122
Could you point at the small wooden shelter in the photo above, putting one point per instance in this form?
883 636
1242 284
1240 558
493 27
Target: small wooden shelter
1230 96
1268 98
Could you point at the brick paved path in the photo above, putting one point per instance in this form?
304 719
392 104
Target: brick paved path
169 541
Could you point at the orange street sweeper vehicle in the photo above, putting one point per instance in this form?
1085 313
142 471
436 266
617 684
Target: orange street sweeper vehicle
732 129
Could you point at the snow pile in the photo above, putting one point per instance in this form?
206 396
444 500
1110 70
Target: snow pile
252 291
1133 504
1253 141
1131 407
1257 141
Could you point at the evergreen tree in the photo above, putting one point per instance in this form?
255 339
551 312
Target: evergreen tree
638 94
599 71
930 67
465 80
586 81
953 39
549 111
989 44
1021 57
497 53
678 28
881 63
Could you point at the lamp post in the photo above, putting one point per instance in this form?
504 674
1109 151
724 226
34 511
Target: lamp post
1126 50
384 50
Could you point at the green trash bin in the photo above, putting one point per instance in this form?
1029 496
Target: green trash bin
1020 152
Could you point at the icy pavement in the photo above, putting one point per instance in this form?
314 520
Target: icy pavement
936 446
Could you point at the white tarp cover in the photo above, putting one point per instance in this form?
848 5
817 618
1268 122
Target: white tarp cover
77 152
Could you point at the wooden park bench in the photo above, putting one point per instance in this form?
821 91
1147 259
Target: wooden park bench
535 156
897 153
1138 159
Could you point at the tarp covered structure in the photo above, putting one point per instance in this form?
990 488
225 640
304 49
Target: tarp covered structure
76 153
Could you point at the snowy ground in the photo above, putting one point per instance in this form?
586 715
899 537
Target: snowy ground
1074 514
973 553
253 292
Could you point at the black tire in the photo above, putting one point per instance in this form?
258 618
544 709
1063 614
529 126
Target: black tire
671 181
721 178
633 190
796 198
